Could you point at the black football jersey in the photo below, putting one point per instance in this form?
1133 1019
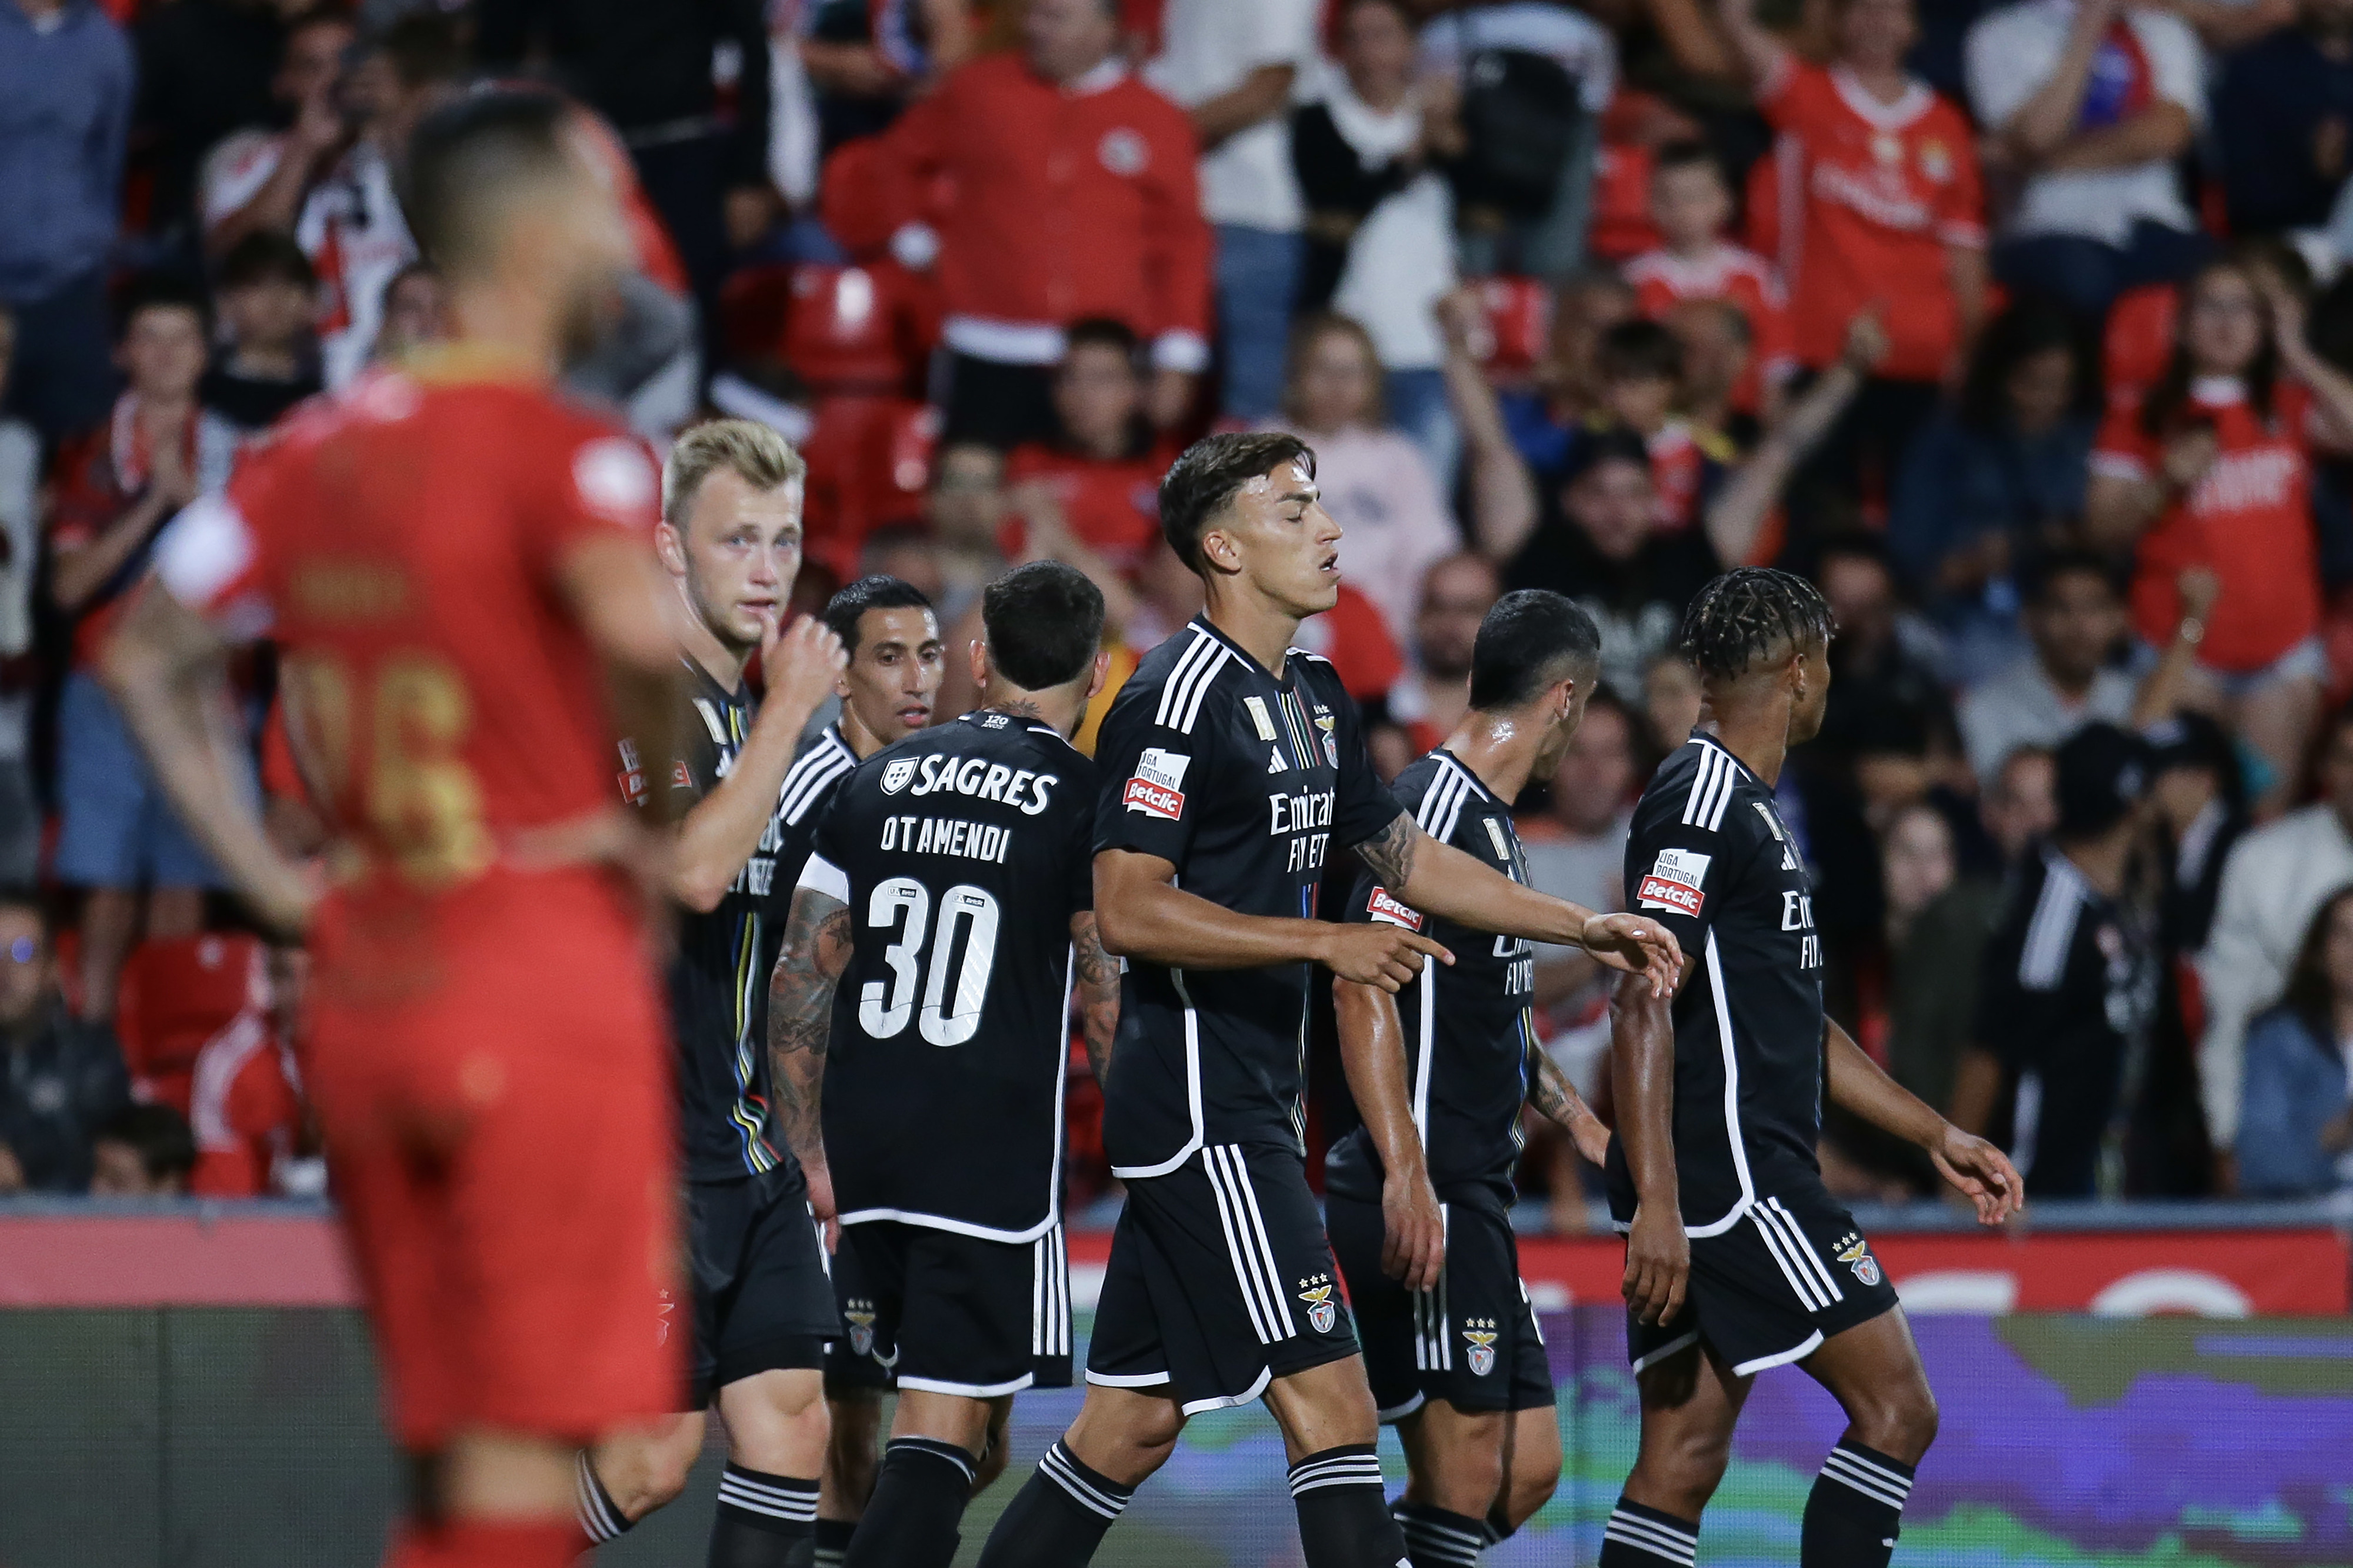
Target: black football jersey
1467 1028
717 985
1709 857
961 853
1244 781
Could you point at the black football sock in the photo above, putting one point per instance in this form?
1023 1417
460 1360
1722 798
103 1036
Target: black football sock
1344 1519
1498 1526
600 1517
1637 1536
763 1521
1058 1518
919 1496
1435 1538
833 1541
1854 1513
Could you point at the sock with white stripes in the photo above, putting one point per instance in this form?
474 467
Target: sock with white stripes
919 1496
1435 1538
1344 1515
1855 1510
833 1541
1057 1519
600 1517
1498 1526
763 1521
1639 1536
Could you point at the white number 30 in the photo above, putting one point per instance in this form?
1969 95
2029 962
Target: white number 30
946 1021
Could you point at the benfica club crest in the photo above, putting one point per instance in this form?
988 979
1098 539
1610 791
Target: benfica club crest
1855 1253
1322 1311
859 1315
1481 1332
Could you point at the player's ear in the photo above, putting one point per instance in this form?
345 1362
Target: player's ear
1102 669
977 652
1218 552
671 548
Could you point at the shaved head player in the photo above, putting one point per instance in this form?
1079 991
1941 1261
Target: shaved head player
458 568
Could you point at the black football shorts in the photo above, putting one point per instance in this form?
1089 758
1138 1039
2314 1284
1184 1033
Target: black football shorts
936 1309
1471 1341
1771 1287
761 1301
1219 1281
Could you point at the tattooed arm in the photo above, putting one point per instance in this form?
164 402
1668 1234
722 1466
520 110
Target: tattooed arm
800 1018
1098 976
1439 880
1556 1100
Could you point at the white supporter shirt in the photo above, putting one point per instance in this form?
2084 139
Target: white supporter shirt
1401 259
2275 878
1208 48
2011 53
350 226
2019 707
1582 46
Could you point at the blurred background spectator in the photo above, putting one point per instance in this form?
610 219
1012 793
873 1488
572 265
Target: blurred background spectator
142 1151
2296 1130
60 1078
1592 296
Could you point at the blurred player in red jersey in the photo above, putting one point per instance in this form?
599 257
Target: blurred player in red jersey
459 569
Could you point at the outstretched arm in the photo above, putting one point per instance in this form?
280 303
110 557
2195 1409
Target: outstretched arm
1372 1054
1143 914
1759 50
800 1019
1858 1087
1098 984
1440 880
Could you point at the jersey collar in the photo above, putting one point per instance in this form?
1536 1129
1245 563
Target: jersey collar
1035 728
1203 623
1710 743
1466 769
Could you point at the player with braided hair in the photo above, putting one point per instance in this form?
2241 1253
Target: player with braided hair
1738 1257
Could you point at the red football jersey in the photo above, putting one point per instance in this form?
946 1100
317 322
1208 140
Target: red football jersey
401 543
1113 506
1663 280
2249 521
1872 194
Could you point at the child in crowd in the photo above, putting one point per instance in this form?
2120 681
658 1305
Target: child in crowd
1642 366
268 296
1691 204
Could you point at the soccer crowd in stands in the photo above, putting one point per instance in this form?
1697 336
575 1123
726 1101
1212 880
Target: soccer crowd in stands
2019 327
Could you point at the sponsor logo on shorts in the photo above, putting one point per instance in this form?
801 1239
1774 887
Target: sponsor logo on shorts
1855 1253
1382 907
1321 1313
678 777
896 775
859 1315
1157 788
1673 882
1481 1333
632 776
663 1315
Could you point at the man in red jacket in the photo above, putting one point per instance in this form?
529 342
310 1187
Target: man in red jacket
1050 186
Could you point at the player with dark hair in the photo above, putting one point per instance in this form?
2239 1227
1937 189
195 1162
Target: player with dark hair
944 914
888 691
762 1307
457 568
1231 764
1420 1195
1738 1257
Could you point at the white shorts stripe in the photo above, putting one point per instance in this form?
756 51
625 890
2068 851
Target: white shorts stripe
1253 1299
1801 1286
1273 1273
1805 1249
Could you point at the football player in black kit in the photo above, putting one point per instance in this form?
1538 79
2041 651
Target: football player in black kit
763 1309
919 1020
1737 1257
1232 765
1419 1197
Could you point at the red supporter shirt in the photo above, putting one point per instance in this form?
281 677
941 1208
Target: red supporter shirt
1662 279
1052 203
244 1110
401 543
2249 520
1114 507
1872 194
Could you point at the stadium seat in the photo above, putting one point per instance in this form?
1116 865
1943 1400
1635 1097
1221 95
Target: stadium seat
177 994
